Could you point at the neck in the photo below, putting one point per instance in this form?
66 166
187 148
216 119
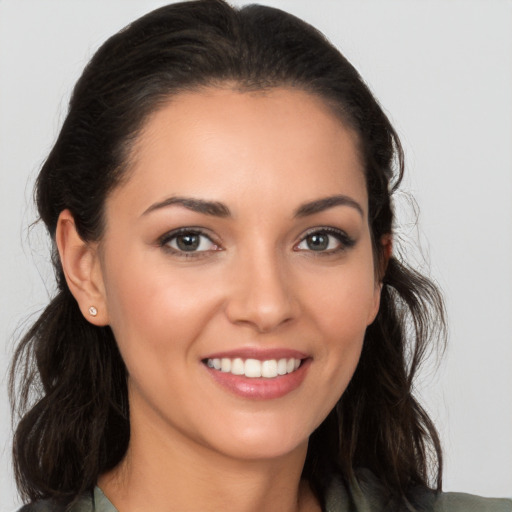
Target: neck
164 471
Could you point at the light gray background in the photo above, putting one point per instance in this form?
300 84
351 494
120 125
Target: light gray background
443 71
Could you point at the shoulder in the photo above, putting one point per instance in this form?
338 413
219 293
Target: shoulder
39 506
459 502
94 502
367 494
83 505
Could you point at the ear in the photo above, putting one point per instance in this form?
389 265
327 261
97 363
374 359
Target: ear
386 243
82 269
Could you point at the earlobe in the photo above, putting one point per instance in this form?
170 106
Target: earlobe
81 266
387 250
386 242
376 303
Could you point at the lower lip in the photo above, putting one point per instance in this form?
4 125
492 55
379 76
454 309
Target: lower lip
261 388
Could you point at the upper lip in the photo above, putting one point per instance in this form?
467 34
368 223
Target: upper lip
261 354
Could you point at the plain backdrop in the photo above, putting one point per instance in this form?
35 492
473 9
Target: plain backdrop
442 69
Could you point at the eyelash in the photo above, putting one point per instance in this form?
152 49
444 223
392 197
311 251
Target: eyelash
166 239
345 241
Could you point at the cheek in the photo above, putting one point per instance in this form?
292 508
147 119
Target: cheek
342 308
152 307
346 302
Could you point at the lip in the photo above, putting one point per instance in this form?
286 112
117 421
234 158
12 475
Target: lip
260 388
259 354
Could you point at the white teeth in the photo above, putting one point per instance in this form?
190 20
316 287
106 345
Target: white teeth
237 367
269 369
281 367
252 368
255 368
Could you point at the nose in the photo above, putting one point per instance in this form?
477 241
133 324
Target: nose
261 292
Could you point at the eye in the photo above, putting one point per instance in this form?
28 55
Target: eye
188 241
327 240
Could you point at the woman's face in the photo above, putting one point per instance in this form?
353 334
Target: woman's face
239 245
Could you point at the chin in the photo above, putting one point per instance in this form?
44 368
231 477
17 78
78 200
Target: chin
257 442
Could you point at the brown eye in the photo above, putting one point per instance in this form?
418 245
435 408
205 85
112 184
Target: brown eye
317 242
187 241
325 240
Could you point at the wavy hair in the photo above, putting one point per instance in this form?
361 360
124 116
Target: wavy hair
68 381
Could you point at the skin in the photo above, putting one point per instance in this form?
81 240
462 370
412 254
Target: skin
255 283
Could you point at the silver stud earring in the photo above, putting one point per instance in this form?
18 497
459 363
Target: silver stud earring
93 311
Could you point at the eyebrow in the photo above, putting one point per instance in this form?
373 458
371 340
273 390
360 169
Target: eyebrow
217 209
213 208
325 203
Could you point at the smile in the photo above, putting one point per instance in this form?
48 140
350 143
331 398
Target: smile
254 368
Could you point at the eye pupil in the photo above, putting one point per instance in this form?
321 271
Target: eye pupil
188 241
318 242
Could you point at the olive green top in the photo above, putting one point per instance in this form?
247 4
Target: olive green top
365 495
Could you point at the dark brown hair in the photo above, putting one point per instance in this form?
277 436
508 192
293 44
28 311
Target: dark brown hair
68 381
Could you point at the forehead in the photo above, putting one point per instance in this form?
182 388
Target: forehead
225 144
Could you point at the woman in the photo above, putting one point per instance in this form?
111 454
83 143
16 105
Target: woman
231 326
